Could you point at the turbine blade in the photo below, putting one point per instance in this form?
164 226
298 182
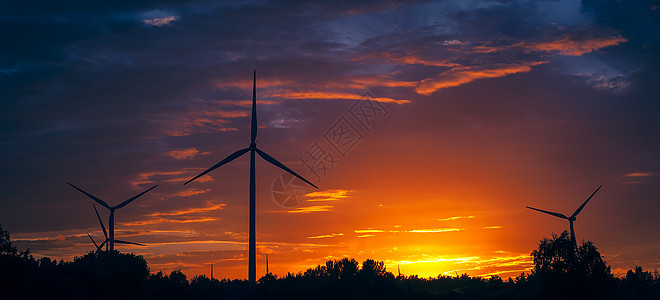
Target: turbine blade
130 243
253 126
224 161
102 244
549 212
90 237
99 201
105 233
585 203
274 161
134 197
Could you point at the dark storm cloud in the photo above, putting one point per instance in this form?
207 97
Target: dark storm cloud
639 21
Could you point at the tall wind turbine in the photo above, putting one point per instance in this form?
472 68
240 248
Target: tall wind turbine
570 219
252 262
111 222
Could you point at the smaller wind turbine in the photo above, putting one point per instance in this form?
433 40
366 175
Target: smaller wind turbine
105 233
98 248
111 222
570 219
211 271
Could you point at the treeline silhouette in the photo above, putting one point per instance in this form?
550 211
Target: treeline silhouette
559 272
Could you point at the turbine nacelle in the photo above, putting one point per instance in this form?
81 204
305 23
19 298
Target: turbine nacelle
111 222
572 218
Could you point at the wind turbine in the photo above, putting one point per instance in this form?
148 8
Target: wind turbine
105 233
111 222
211 271
570 219
252 262
98 248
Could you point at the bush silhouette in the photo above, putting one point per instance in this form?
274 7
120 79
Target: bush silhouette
5 243
567 273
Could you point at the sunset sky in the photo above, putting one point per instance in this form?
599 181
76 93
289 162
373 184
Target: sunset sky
458 115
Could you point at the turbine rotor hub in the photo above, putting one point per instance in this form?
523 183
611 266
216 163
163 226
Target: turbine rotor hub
253 145
571 219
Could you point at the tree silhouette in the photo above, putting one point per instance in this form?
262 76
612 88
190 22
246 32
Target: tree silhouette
344 269
639 276
568 273
555 256
559 273
5 243
108 274
639 283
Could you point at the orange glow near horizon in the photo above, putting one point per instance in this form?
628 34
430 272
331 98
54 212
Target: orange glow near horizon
432 214
431 238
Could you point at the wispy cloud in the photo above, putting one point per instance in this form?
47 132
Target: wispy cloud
456 218
195 210
326 236
189 215
491 227
146 177
436 230
160 21
431 230
636 177
191 192
639 174
168 176
329 95
167 220
462 75
311 209
368 230
327 195
573 45
461 61
189 153
198 121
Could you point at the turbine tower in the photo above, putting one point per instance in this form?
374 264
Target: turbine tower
252 262
111 222
570 219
